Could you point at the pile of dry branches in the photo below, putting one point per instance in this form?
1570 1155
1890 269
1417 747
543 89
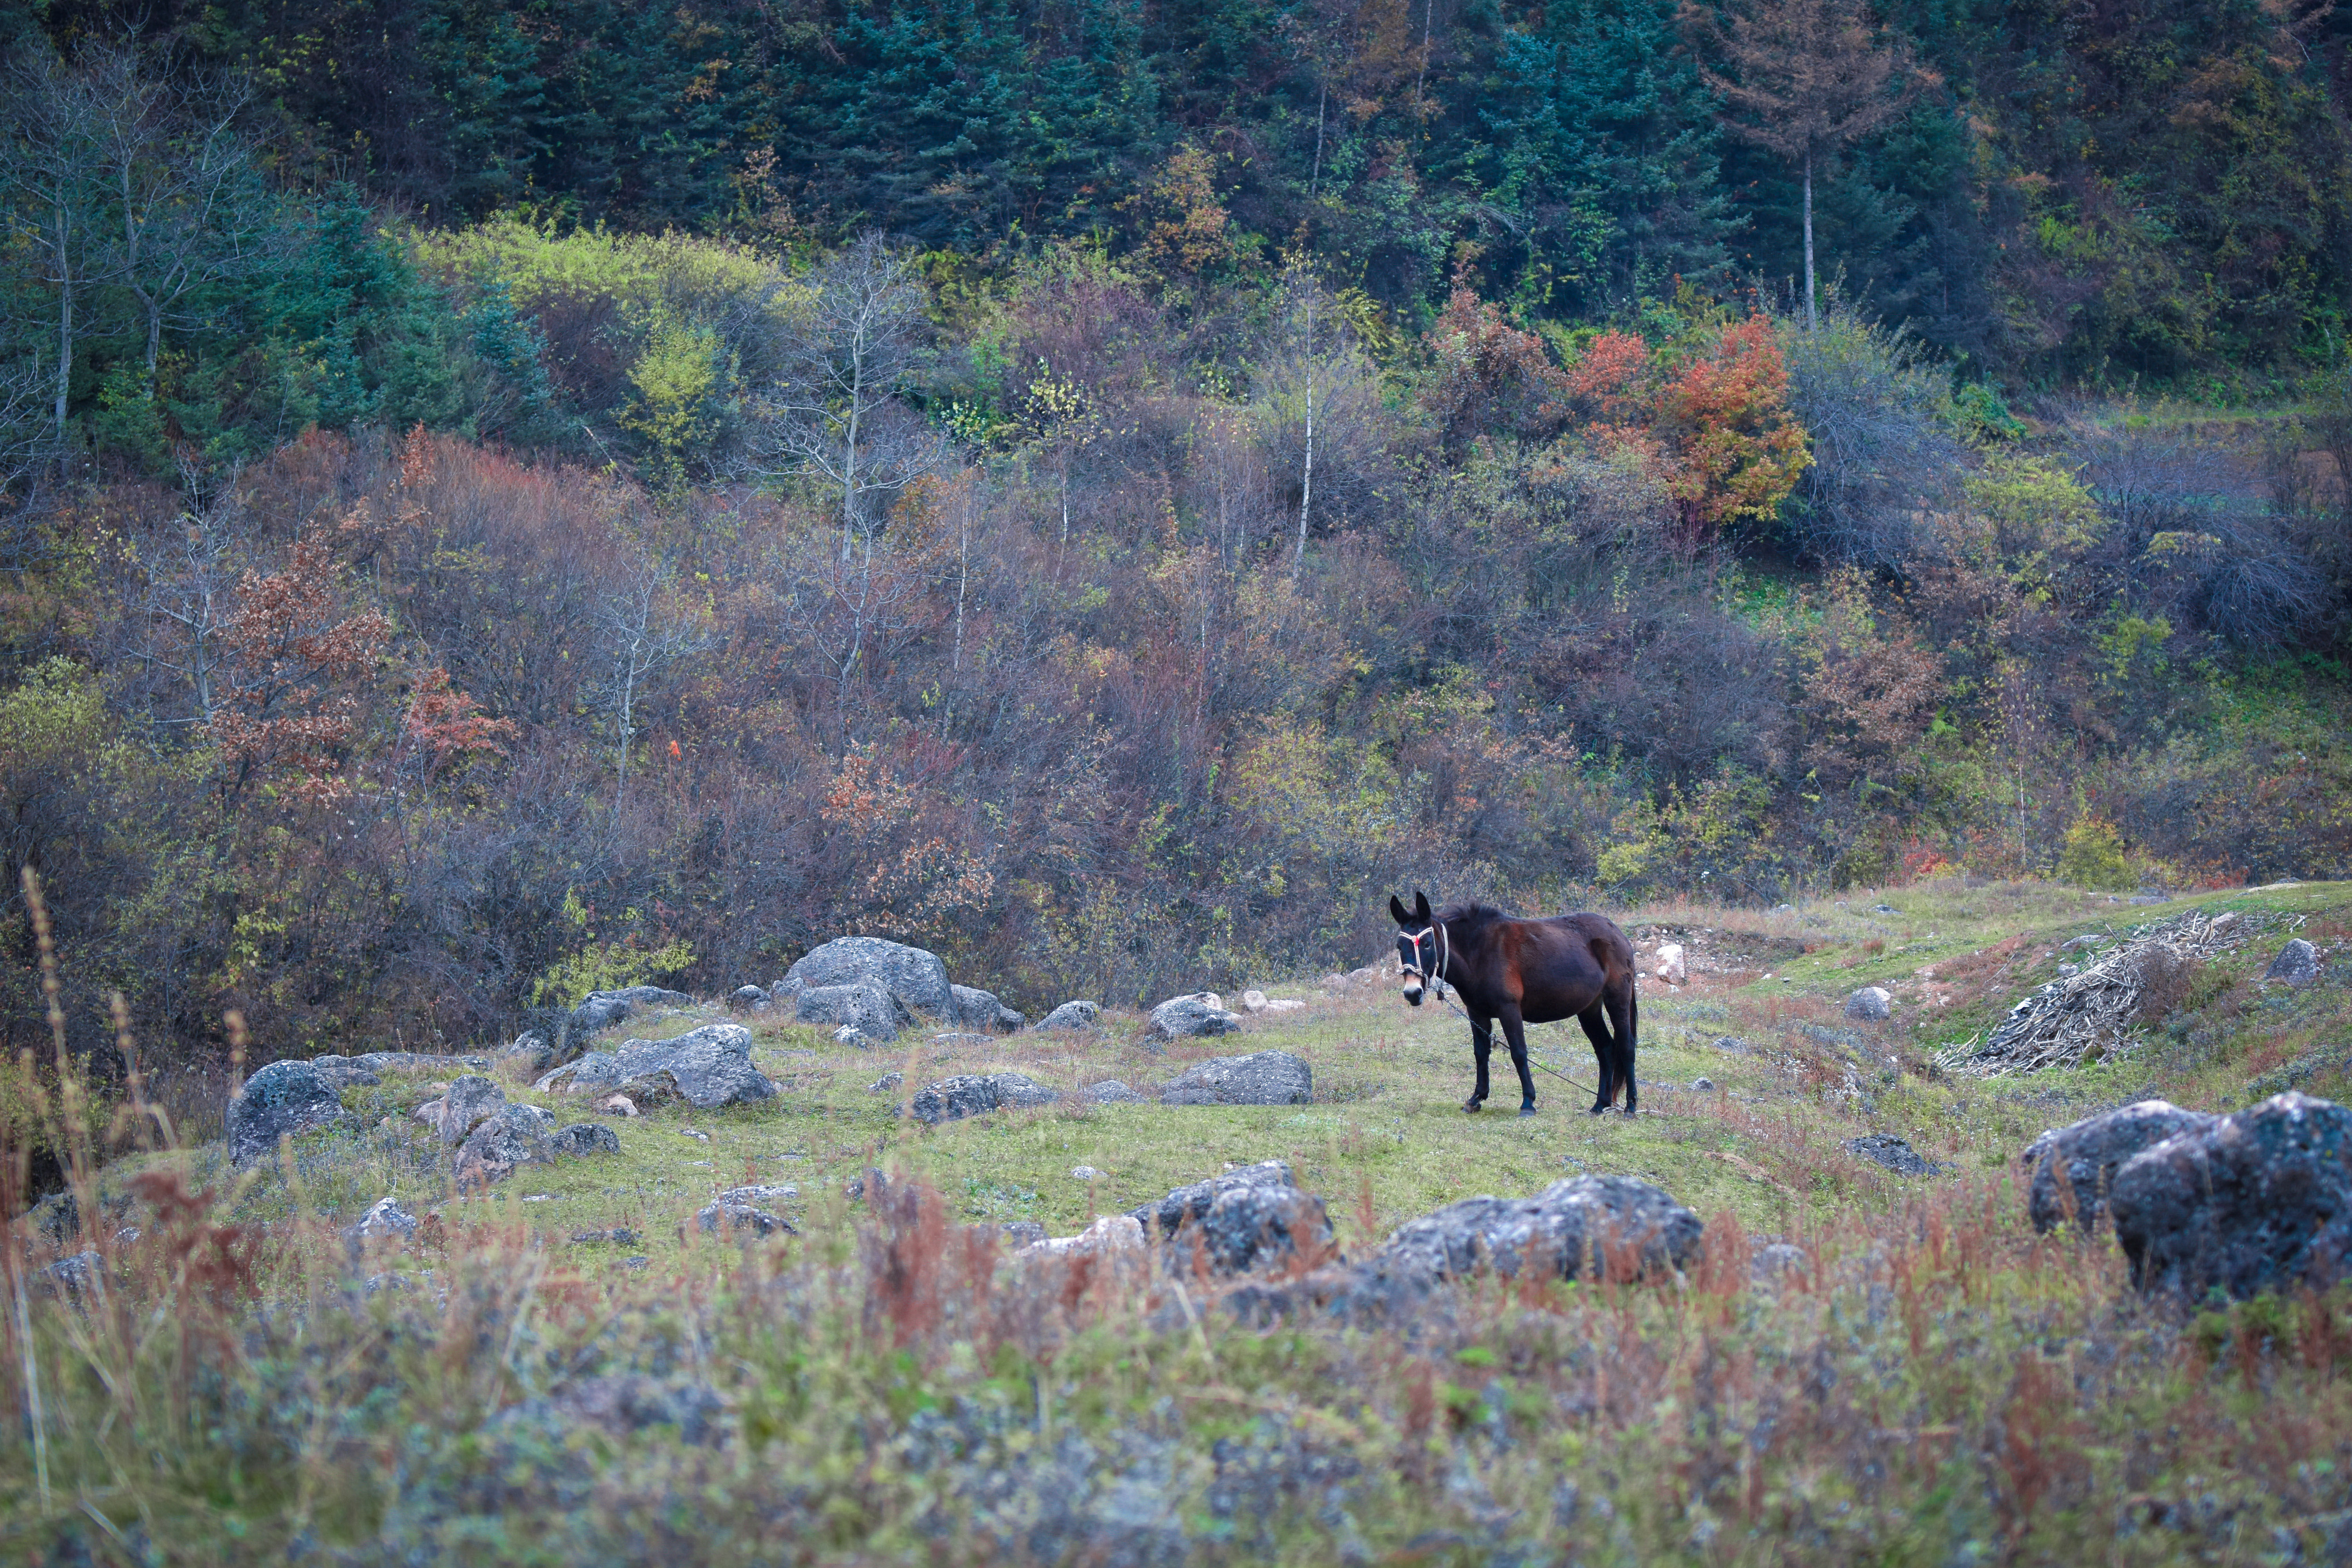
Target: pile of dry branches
2092 1012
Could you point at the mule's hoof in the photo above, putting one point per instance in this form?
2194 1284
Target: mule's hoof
1470 1106
1599 1110
1526 1111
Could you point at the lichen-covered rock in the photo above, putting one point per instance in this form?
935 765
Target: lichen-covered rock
2257 1201
2073 1168
1265 1078
977 1009
864 1005
1571 1230
515 1135
1072 1015
1201 1013
471 1100
915 976
2297 963
748 999
1896 1153
977 1094
1111 1091
583 1137
1239 1221
1872 1003
280 1101
761 1194
707 1068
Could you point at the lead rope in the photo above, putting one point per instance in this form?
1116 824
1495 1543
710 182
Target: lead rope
1437 984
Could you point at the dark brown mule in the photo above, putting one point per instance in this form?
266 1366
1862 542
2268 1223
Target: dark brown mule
1527 972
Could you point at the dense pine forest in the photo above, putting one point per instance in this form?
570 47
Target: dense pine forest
505 501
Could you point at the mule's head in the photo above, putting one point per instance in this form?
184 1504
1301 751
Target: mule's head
1418 950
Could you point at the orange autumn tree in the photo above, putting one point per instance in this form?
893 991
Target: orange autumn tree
290 703
1715 422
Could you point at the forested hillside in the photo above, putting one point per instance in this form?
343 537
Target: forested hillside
505 501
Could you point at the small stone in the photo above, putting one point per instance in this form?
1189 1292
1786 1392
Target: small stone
618 1236
1872 1003
1332 982
2297 963
1671 966
1072 1015
888 1083
1733 1044
1703 1085
759 1194
1773 1261
1111 1091
1113 1234
1283 1005
742 1219
1896 1153
384 1220
694 1132
617 1105
1085 1174
1253 1001
748 999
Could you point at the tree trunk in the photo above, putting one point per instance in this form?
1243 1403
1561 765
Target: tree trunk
1811 321
1307 474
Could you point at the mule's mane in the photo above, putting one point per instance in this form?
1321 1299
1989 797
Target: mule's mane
1467 920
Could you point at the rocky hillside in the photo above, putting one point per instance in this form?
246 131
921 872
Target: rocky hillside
1883 1269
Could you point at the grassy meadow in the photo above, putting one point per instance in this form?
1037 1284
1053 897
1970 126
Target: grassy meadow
1932 1384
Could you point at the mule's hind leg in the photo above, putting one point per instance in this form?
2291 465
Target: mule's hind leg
1482 1043
1604 1055
1625 1014
1515 1030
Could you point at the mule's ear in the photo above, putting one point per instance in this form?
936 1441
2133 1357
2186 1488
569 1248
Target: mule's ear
1397 908
1421 908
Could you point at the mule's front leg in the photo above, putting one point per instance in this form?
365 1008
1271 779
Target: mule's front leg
1482 1042
1515 1030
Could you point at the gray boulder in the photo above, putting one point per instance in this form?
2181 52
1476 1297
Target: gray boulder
583 1137
1111 1091
1018 1233
472 1099
735 1217
888 1083
2073 1168
1570 1230
1896 1153
2297 963
1072 1015
864 1005
977 1094
1871 1003
1266 1078
516 1135
2257 1201
281 1099
748 999
977 1009
916 977
1239 1221
707 1068
1199 1012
